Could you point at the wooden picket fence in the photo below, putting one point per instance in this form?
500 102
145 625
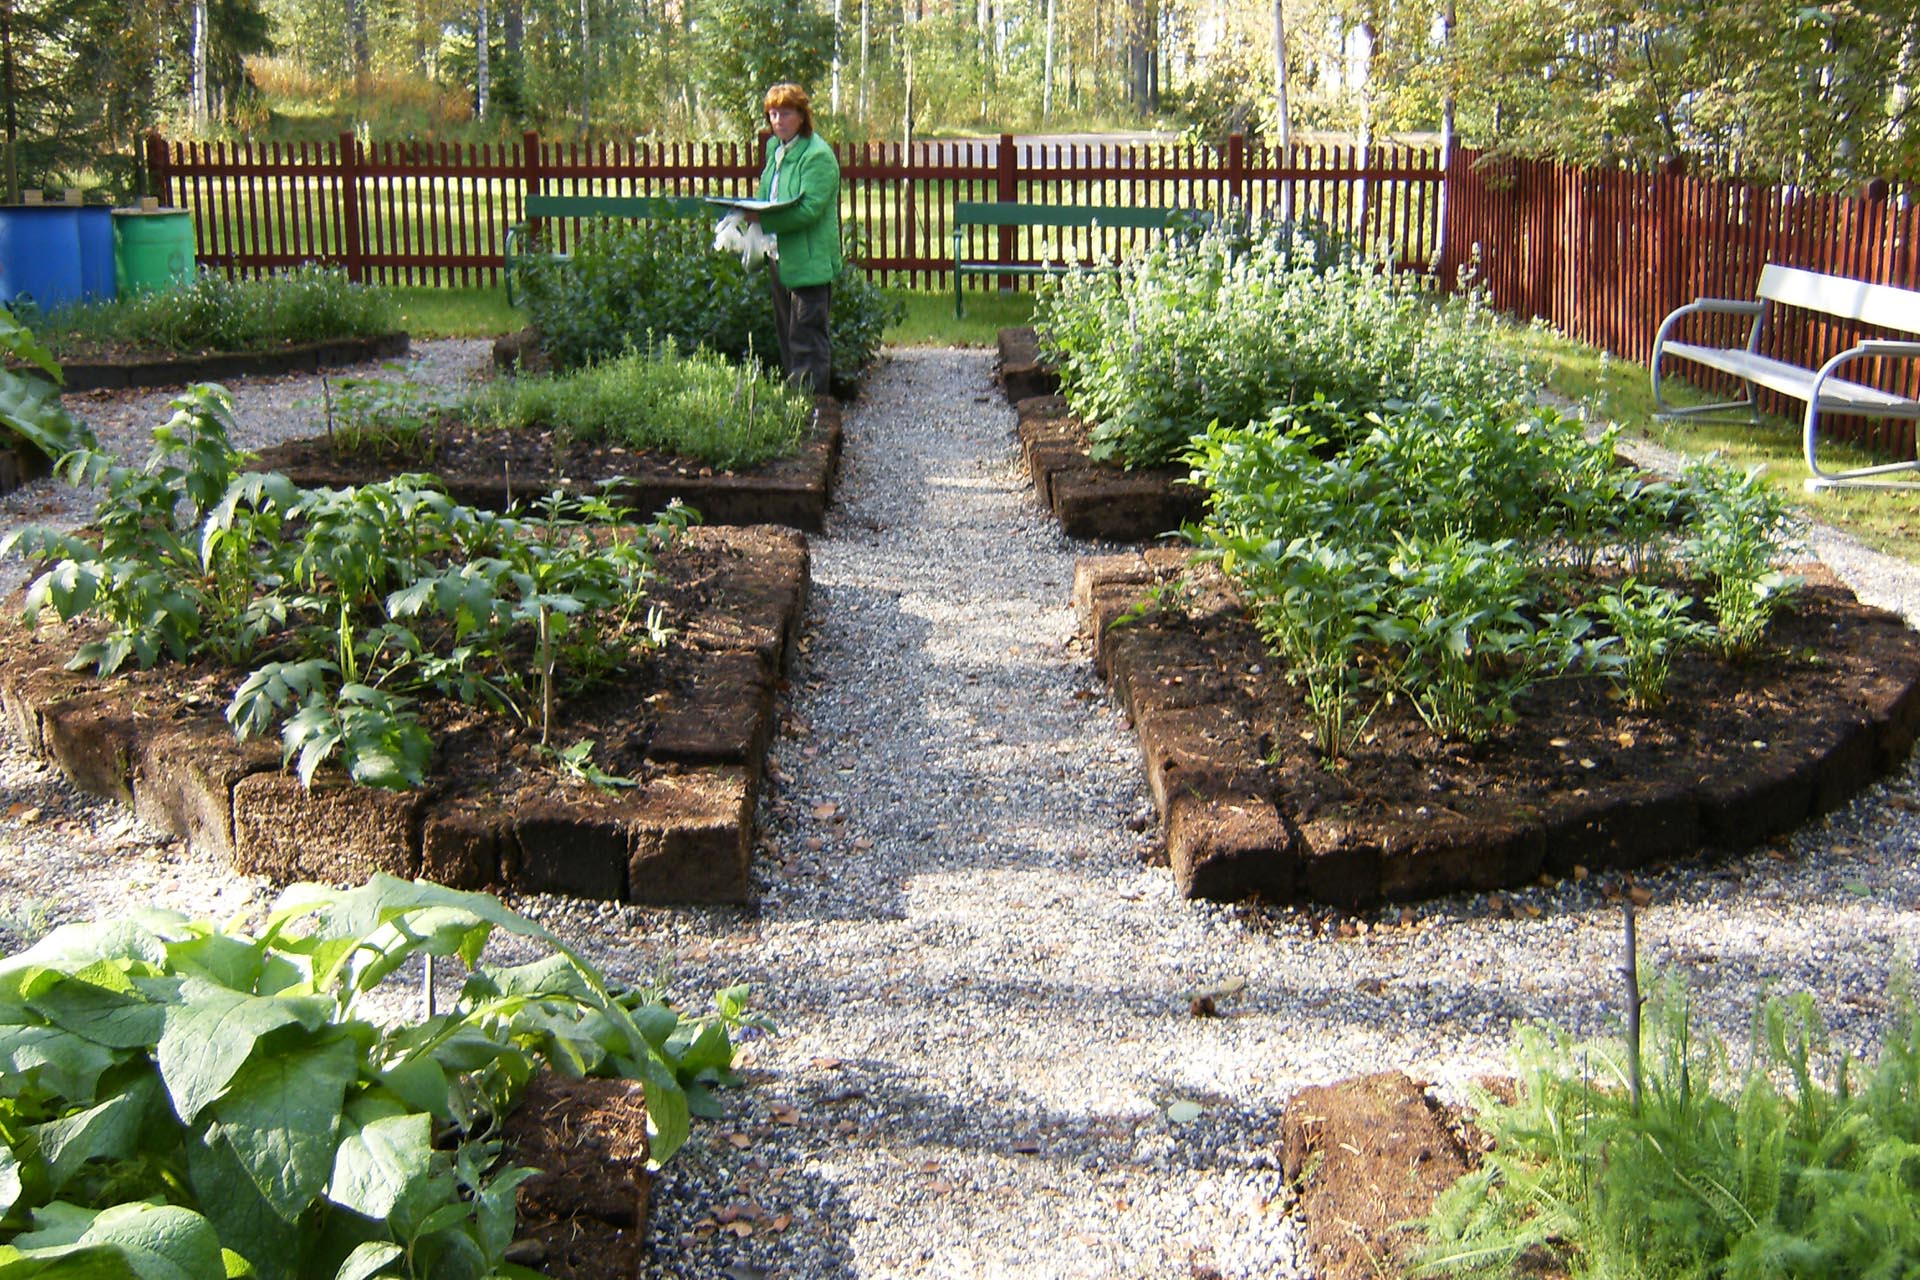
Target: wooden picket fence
1605 255
434 214
1602 255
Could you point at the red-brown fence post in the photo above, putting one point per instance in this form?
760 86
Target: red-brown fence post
1237 168
352 249
160 169
1006 191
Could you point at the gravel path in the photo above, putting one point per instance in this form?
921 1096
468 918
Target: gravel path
981 977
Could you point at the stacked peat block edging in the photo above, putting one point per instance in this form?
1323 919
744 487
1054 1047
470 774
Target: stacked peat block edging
1206 700
1094 500
475 470
683 834
224 366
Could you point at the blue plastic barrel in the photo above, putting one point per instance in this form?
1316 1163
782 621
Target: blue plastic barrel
96 253
40 254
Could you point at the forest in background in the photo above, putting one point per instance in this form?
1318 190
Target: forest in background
1819 95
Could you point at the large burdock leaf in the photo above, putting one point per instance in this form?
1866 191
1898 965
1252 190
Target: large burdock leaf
247 1223
126 1242
280 1116
108 1131
379 1163
66 1063
212 1032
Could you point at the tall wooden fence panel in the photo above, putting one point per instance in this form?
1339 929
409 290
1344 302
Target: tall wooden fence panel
1605 255
438 214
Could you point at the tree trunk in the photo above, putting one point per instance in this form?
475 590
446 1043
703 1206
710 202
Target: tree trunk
1046 74
197 95
482 63
866 42
586 73
358 55
10 87
834 96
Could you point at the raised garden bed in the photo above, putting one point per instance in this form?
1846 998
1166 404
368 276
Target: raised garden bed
114 370
584 1215
1098 500
492 469
690 728
1738 755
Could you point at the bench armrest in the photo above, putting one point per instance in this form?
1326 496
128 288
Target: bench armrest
1707 306
1883 347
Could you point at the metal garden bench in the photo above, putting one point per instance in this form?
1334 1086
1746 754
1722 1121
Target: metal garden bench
1005 214
544 206
1880 305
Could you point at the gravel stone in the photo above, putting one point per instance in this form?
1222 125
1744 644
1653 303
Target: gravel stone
983 983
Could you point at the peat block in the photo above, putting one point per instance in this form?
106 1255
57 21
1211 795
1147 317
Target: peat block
686 731
1023 372
1740 754
1098 500
1368 1154
584 1215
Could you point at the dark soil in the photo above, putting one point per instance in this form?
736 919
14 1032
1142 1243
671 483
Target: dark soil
1739 754
492 468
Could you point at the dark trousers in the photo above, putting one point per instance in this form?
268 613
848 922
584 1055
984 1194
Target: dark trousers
800 318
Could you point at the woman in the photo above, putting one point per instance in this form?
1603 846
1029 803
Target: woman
806 255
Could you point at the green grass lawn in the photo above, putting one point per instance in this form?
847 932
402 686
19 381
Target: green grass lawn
1621 391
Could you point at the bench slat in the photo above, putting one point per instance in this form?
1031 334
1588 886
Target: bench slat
1003 214
1876 304
552 206
1792 380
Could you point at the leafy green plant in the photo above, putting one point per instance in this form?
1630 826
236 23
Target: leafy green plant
1785 1169
378 413
30 406
306 304
628 286
1653 625
187 1100
696 405
1741 528
369 599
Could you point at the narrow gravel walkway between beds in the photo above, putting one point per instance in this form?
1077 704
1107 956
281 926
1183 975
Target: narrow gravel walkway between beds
987 1064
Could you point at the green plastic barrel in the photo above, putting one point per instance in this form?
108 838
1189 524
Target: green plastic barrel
152 250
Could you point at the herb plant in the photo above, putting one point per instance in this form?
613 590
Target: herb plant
1226 327
696 406
306 304
186 1100
1799 1166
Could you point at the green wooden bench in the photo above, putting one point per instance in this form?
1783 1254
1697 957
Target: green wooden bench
545 206
1002 214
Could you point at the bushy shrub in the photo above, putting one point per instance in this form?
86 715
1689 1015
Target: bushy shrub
1227 326
629 285
308 304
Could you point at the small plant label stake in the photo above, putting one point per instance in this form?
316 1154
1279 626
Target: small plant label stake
1630 970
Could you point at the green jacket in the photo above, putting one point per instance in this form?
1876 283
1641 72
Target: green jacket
808 232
